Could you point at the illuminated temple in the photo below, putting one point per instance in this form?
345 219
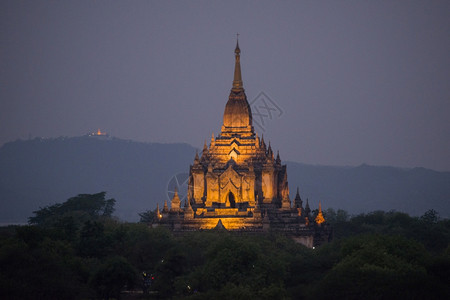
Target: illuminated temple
238 184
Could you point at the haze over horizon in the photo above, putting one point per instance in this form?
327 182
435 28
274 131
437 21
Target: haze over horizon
348 82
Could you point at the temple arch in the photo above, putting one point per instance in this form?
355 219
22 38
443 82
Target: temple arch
231 200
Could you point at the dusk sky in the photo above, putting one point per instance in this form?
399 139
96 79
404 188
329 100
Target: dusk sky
349 82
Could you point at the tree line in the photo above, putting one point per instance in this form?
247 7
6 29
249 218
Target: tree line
78 250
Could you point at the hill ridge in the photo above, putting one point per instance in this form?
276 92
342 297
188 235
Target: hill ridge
39 172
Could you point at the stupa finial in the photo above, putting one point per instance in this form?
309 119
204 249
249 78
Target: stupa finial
237 81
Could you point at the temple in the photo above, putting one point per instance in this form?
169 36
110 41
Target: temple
238 184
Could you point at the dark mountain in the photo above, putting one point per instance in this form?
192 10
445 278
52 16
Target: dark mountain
368 188
39 172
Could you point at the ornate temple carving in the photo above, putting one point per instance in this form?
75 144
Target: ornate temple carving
237 183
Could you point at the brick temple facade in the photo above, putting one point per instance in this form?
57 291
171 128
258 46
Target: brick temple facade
238 184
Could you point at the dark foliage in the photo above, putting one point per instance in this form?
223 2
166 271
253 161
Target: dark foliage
112 277
380 255
81 208
147 216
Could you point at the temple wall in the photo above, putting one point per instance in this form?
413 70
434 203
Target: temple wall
199 186
248 190
228 223
235 167
268 185
307 240
212 189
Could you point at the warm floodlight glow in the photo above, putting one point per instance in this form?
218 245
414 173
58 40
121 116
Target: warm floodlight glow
320 219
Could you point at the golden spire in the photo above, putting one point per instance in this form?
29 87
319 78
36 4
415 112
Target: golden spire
176 202
320 219
205 151
237 82
237 117
196 156
158 213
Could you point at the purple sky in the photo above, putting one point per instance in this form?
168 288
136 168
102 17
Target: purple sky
356 81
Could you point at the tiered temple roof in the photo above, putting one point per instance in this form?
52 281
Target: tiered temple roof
237 184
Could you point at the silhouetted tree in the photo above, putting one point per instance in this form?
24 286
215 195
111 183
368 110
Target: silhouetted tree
373 256
430 217
82 208
377 267
147 216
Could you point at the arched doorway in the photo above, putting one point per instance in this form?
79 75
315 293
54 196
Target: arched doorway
231 200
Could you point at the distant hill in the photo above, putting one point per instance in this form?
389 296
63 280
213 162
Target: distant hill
367 188
38 172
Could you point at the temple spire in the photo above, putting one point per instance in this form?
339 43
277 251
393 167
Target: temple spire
307 209
176 202
320 219
158 213
270 152
237 81
237 117
196 159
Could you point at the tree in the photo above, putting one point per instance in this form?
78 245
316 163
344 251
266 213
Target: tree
430 217
112 277
377 267
93 241
147 216
82 208
43 270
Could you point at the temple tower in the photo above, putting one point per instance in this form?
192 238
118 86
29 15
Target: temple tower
237 184
237 168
